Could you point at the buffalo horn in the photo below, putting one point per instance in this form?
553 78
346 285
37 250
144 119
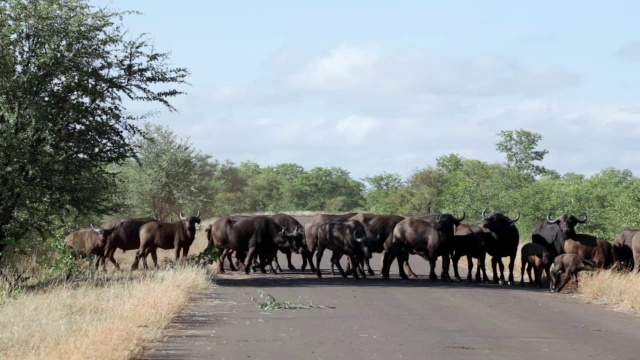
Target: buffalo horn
583 220
438 218
198 214
297 230
517 217
484 217
464 215
356 238
551 221
181 217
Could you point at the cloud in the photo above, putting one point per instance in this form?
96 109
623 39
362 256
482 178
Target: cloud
374 71
630 51
368 109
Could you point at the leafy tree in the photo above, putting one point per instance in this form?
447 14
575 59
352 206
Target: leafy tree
520 149
168 176
67 72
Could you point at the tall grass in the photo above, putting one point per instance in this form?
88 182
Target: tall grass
618 290
110 317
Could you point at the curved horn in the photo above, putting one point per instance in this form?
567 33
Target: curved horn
356 238
551 221
464 215
438 218
583 220
284 230
297 230
181 217
483 216
517 217
94 229
198 214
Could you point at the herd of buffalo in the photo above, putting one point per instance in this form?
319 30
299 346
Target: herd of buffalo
255 240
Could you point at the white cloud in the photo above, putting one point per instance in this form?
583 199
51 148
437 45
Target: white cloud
369 110
630 51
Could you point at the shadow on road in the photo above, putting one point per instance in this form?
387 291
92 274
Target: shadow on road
298 279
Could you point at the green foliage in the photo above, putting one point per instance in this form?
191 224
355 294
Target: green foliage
167 177
207 257
519 147
67 70
270 303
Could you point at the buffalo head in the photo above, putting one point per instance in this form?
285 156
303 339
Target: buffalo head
567 223
189 223
295 238
447 222
497 221
365 243
102 233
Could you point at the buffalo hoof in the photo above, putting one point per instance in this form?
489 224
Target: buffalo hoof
291 268
371 273
500 282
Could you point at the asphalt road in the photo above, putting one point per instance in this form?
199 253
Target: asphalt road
393 319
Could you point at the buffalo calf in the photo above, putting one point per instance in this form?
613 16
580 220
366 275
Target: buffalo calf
539 258
566 266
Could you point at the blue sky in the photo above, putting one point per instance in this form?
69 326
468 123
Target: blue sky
375 86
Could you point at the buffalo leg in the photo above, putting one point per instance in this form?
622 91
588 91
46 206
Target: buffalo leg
446 262
249 260
220 260
136 261
154 257
319 253
470 266
523 266
368 267
177 255
494 265
432 267
112 259
564 279
512 262
456 258
356 264
335 259
275 259
229 255
289 263
408 269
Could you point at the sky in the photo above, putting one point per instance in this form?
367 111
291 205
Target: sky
382 86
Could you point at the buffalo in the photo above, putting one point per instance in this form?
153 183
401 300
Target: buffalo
254 236
635 246
88 242
343 237
598 250
381 227
566 266
429 237
311 235
537 257
623 250
552 232
471 241
122 234
507 237
177 235
295 232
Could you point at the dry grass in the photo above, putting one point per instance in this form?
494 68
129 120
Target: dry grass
619 290
111 317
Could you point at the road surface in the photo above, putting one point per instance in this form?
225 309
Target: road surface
393 319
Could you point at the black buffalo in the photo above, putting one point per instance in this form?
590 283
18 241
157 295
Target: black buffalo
177 235
552 232
623 250
255 236
507 237
380 227
295 232
121 234
343 237
429 237
311 235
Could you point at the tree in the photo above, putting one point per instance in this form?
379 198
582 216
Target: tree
168 176
68 71
519 146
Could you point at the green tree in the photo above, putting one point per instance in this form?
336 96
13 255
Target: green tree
167 177
520 148
67 72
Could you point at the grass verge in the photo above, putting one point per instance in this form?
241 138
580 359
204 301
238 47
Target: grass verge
620 291
111 316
